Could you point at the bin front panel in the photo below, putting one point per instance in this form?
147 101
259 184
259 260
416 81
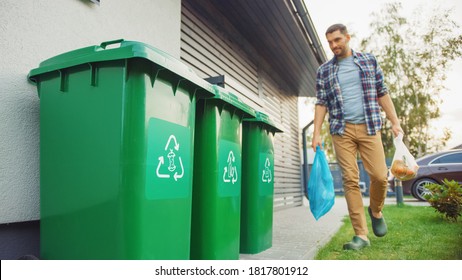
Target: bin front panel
217 182
100 138
79 162
257 188
160 204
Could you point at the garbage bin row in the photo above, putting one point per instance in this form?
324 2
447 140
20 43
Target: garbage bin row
142 159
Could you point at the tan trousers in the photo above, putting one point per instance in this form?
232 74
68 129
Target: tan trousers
354 140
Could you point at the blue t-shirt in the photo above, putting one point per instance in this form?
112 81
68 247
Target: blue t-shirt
352 92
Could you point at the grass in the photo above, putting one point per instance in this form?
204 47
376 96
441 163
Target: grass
414 233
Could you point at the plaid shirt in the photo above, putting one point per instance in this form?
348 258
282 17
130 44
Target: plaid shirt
328 92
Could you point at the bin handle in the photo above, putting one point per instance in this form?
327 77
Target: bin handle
107 43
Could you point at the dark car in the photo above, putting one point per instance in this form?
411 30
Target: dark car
433 169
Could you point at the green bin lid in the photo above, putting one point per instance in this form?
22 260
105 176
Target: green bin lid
127 49
231 98
265 119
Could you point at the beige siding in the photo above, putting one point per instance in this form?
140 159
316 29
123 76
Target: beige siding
210 52
34 31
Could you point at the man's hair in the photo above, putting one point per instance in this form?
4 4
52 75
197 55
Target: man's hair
342 28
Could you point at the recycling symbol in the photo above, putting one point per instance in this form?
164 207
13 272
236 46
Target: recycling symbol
266 176
172 162
230 171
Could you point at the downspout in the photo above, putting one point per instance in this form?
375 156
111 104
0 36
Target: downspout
305 159
309 27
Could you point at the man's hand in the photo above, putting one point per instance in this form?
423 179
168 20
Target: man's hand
387 105
396 129
319 114
316 142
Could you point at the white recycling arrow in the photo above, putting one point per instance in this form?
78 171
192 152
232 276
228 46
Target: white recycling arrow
235 175
172 137
176 176
161 162
224 176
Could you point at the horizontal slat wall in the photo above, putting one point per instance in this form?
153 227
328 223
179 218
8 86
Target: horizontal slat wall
210 52
204 51
282 109
276 28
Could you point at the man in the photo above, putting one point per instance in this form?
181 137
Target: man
351 88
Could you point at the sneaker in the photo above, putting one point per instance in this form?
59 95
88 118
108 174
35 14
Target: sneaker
379 226
357 243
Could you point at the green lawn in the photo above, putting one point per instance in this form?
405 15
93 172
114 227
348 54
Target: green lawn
414 233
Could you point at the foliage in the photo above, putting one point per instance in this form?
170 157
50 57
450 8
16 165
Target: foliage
414 56
446 198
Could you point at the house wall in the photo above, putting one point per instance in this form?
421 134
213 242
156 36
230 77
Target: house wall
213 49
33 31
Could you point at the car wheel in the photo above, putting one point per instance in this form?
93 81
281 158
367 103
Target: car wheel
419 190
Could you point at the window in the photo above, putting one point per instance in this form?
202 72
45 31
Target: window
452 158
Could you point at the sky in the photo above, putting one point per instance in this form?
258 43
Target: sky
356 15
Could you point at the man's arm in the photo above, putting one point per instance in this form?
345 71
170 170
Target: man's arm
319 115
387 105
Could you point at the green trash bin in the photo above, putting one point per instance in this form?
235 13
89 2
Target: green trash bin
116 152
257 184
217 177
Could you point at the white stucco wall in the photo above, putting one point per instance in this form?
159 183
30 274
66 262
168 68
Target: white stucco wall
32 31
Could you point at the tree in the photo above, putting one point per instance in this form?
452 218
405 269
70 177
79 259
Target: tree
414 56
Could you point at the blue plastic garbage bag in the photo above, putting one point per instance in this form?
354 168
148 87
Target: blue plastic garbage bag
321 192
